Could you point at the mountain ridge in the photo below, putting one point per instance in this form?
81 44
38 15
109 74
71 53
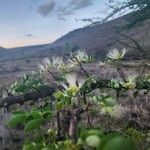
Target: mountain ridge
97 39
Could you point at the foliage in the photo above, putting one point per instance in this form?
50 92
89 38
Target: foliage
135 135
94 138
71 101
27 83
114 142
29 120
105 100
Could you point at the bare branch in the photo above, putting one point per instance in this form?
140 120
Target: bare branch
31 96
81 67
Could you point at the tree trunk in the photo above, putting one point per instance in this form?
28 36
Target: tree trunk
74 123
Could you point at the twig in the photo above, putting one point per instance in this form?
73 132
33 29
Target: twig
52 74
30 96
121 74
131 39
81 67
58 125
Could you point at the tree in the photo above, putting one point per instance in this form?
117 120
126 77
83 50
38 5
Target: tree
64 120
140 10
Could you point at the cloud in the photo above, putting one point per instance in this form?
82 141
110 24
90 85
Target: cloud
61 11
72 6
29 35
46 8
79 4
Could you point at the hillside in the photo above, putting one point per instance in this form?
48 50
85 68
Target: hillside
23 52
103 37
95 39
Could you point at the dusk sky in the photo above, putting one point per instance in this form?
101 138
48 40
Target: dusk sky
31 22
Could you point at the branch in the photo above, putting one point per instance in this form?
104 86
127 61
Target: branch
31 96
81 67
99 83
127 45
120 71
115 11
138 46
52 74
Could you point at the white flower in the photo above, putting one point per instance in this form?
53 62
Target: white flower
42 68
81 81
71 64
115 54
56 61
72 81
124 51
81 55
46 61
132 78
101 63
130 83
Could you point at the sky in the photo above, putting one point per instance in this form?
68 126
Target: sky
32 22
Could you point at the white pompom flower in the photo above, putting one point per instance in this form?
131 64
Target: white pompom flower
42 68
73 81
115 54
46 61
57 61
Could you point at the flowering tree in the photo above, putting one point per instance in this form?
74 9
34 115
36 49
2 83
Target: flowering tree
68 104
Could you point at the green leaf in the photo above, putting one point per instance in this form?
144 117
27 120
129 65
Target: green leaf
20 88
47 115
59 105
116 86
33 124
109 101
118 143
18 112
93 141
29 146
16 120
97 132
50 147
84 133
33 115
95 99
28 84
39 146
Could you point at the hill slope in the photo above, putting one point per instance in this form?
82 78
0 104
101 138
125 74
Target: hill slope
95 39
103 37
